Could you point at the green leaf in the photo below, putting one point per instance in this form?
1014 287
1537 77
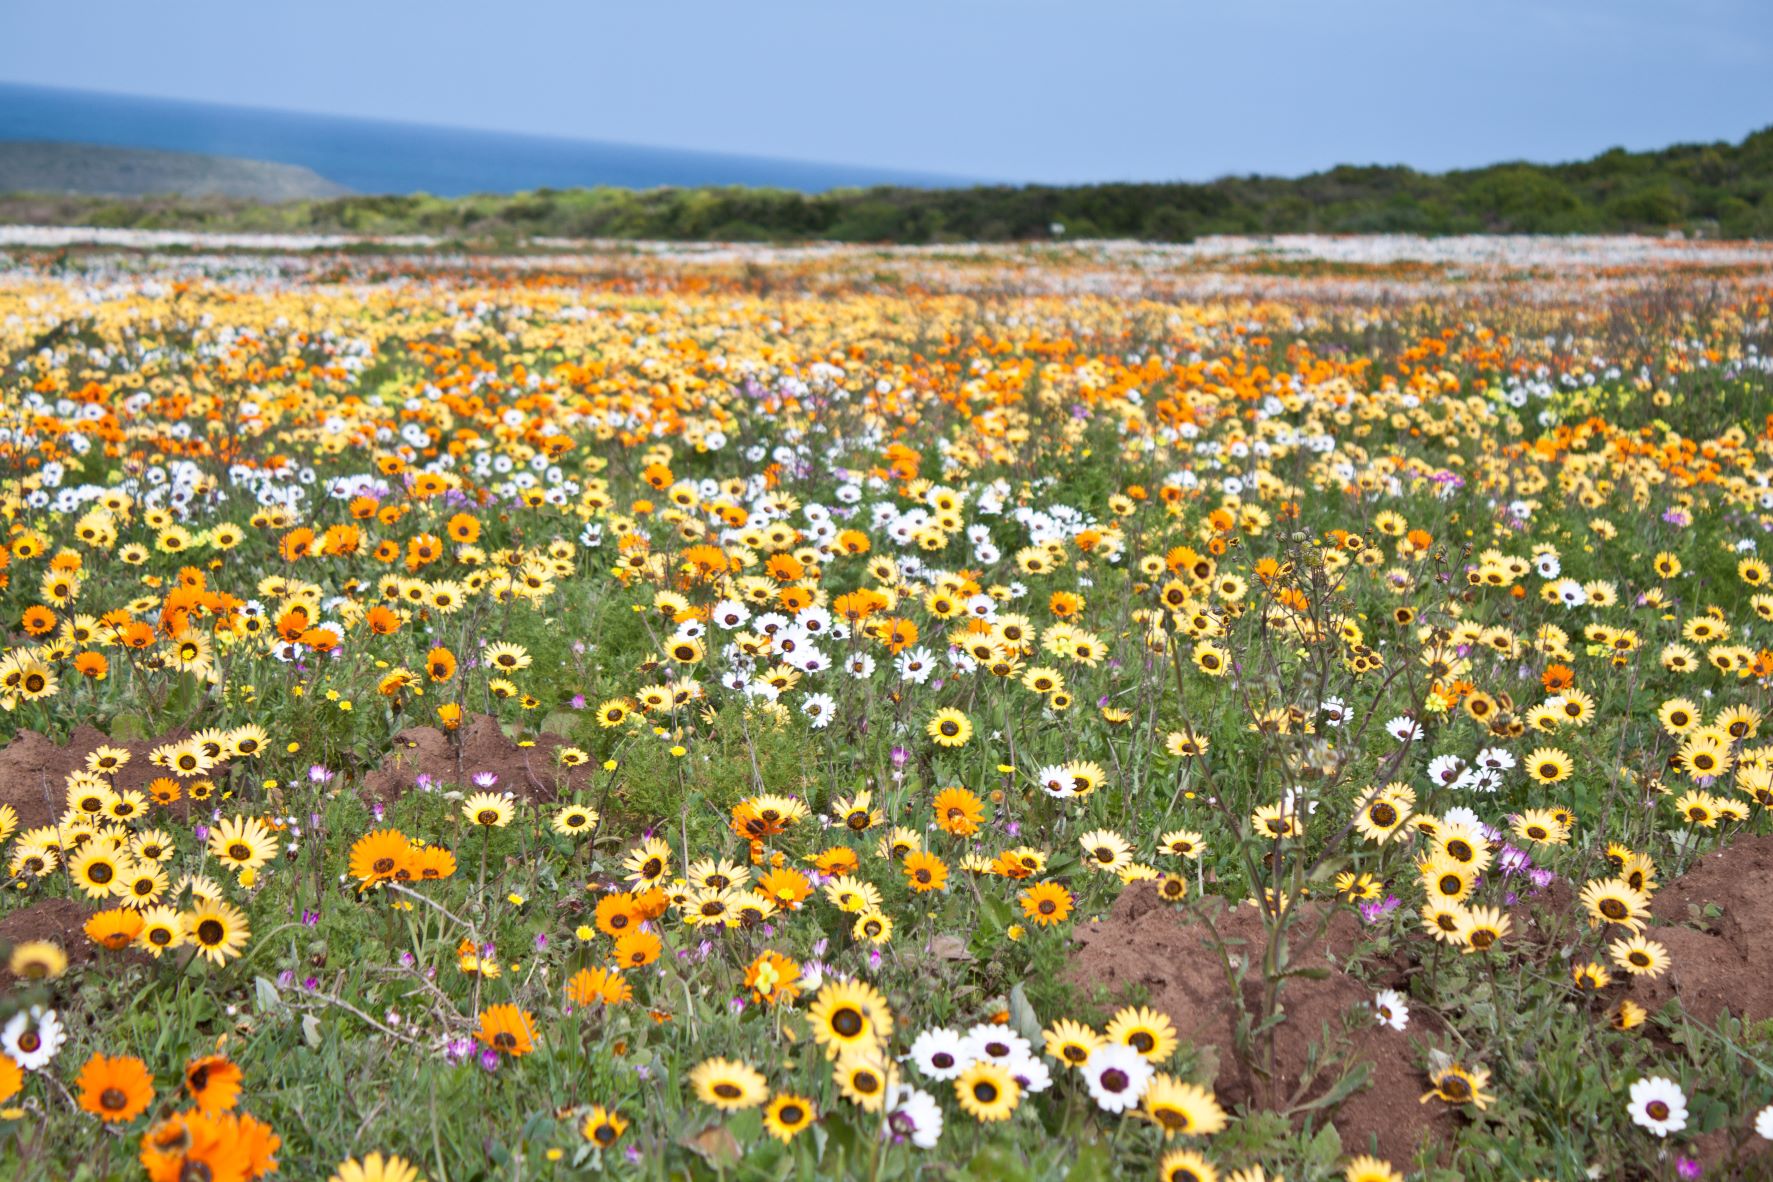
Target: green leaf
1023 1019
129 728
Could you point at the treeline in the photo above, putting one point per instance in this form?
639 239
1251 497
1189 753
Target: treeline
1721 190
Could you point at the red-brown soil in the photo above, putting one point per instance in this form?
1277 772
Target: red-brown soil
1146 943
1722 962
531 773
34 770
59 921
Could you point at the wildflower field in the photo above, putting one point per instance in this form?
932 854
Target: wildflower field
1242 711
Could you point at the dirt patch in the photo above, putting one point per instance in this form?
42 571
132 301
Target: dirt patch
1718 962
1143 942
531 773
34 769
59 921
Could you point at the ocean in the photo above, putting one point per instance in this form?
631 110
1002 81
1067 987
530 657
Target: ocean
379 156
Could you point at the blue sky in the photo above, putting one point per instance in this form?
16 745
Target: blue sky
1026 90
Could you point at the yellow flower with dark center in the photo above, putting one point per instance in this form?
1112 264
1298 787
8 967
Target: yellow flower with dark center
1181 1108
1150 1033
949 728
727 1084
849 1015
489 810
218 929
1454 1084
987 1091
787 1116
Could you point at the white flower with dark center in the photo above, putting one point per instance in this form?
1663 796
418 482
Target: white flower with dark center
1390 1008
940 1053
33 1037
912 1115
1658 1104
1000 1044
1117 1076
1764 1123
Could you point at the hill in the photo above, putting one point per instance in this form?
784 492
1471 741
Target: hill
1719 190
102 170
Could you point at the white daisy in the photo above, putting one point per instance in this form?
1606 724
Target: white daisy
940 1053
32 1038
989 1040
1117 1076
1390 1008
912 1115
1658 1104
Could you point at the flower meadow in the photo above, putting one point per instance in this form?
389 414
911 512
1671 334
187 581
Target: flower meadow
1027 714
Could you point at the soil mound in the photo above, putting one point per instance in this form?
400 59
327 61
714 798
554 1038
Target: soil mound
531 773
1724 961
59 921
1145 943
34 769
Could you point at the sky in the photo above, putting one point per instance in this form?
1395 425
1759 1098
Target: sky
1016 90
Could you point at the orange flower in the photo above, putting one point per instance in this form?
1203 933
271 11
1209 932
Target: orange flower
507 1029
773 979
1558 677
440 664
165 790
91 665
591 986
382 620
38 620
115 1089
925 872
11 1078
617 914
636 949
958 811
839 859
1046 903
463 528
214 1083
898 635
785 886
115 928
376 857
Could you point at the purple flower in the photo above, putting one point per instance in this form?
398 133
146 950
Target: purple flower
202 832
310 918
378 811
489 1059
1688 1167
286 978
900 757
407 960
485 779
578 702
458 1049
318 773
310 983
541 941
1372 911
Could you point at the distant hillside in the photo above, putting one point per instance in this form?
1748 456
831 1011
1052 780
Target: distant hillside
1716 190
98 170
